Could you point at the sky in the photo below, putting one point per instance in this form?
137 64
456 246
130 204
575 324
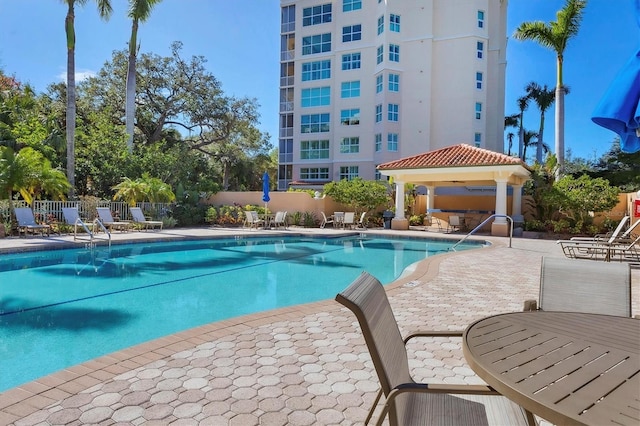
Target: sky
240 39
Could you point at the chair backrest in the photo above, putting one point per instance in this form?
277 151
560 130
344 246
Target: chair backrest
249 215
349 217
71 215
324 217
361 221
367 299
24 216
137 215
614 234
585 286
338 216
454 220
105 214
629 232
279 217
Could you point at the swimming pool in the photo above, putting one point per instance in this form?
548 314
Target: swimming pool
63 307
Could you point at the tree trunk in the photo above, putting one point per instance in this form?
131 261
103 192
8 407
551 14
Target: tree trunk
71 99
559 130
130 105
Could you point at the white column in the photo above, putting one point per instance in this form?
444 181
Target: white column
431 193
501 199
516 203
399 200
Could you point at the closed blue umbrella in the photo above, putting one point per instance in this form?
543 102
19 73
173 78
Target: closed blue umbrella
619 109
265 189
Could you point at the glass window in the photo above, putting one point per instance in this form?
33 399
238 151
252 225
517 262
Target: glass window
480 19
351 61
480 49
350 89
350 145
381 25
287 47
285 150
287 72
379 53
315 123
286 99
394 83
378 139
349 5
286 125
392 112
316 96
478 80
351 33
348 172
394 23
350 117
316 15
316 44
379 83
477 138
318 70
478 110
288 19
378 113
314 150
314 173
394 53
392 142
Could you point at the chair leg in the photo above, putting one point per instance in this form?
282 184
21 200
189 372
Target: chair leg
373 407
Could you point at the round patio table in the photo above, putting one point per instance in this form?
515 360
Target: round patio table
568 368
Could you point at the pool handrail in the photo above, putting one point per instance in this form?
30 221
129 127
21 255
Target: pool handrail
452 248
90 233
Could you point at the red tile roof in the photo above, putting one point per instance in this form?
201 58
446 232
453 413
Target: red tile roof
461 155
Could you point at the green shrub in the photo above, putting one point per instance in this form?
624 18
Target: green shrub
309 220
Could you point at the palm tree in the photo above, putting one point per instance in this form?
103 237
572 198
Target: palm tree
510 137
543 97
555 36
527 140
523 104
511 121
104 8
139 11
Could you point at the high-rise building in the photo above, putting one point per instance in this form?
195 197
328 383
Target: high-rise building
363 82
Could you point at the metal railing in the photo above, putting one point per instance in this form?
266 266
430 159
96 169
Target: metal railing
453 247
91 233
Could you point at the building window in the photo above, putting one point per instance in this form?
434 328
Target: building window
350 117
480 49
478 80
287 72
316 96
378 140
349 5
379 53
287 47
478 110
351 61
319 70
316 44
394 53
350 145
394 82
394 23
315 123
314 150
392 142
477 138
314 173
286 99
316 15
288 19
480 19
392 112
351 33
381 25
285 150
379 83
350 89
348 172
378 113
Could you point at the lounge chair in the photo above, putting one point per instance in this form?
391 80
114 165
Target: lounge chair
252 219
138 217
583 286
620 249
27 222
349 220
610 237
107 220
325 221
280 219
408 402
72 218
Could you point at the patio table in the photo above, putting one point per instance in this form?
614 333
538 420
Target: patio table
568 368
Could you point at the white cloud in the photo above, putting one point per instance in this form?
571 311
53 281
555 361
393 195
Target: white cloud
81 75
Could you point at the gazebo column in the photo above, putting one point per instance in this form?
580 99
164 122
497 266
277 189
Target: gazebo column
516 205
431 200
399 221
500 226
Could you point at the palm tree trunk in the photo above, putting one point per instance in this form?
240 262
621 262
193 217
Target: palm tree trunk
130 105
71 97
540 140
559 130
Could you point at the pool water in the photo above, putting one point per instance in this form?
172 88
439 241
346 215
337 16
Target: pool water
62 307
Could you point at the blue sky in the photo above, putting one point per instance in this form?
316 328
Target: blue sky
240 40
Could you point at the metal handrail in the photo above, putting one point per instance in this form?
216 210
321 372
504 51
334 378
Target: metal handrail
482 224
89 232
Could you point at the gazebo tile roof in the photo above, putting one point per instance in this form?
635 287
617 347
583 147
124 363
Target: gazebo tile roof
461 155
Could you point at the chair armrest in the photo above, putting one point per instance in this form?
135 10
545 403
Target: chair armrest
433 334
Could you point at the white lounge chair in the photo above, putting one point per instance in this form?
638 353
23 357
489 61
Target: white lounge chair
325 220
27 222
280 220
610 237
107 220
138 217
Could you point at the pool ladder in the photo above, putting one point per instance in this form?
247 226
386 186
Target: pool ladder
453 247
91 243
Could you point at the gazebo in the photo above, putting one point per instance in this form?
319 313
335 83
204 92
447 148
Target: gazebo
460 165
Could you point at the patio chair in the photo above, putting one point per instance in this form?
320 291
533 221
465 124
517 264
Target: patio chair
138 217
27 222
280 220
325 221
609 237
360 223
104 215
252 219
455 224
583 286
408 402
349 220
627 249
72 218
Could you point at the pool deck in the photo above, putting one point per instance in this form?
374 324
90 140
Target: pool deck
303 365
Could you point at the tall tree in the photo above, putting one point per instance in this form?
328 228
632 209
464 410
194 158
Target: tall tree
523 104
543 97
104 9
555 35
139 11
